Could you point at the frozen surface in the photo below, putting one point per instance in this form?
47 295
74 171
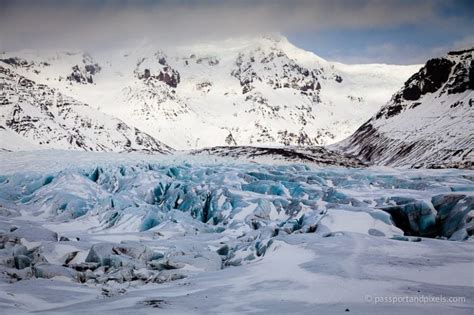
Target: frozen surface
187 234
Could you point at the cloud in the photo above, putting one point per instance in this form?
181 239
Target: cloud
400 53
463 43
104 24
383 53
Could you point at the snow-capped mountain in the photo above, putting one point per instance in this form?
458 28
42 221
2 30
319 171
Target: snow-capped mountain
253 91
35 116
429 122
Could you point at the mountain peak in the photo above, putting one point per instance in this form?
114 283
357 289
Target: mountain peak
262 90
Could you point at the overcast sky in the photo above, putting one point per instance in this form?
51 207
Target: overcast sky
351 31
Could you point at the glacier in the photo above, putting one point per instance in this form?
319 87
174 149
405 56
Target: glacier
141 196
144 231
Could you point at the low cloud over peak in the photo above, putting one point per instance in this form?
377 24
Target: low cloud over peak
100 25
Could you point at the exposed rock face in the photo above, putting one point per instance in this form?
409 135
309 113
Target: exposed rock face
16 62
230 140
169 76
428 80
463 74
78 76
164 73
84 73
147 74
428 123
280 72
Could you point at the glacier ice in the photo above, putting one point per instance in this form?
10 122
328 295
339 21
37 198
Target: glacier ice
235 195
152 223
415 218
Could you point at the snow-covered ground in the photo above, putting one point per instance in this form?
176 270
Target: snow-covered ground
109 233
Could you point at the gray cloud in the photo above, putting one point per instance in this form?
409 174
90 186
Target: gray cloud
400 54
378 53
103 24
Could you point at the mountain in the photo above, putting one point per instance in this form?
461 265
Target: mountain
35 116
429 122
245 91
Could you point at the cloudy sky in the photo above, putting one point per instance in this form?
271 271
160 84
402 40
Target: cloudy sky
351 31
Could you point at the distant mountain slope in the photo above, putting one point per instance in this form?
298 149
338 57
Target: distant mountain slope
245 91
34 116
427 123
310 155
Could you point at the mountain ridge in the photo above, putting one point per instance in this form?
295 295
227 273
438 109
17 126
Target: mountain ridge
429 122
257 91
35 116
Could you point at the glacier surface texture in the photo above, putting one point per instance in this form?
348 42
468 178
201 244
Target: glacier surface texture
220 237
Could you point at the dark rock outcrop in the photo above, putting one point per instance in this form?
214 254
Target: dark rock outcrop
427 123
315 155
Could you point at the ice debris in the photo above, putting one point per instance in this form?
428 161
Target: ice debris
232 214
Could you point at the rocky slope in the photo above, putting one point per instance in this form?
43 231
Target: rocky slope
246 91
35 116
307 155
429 122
